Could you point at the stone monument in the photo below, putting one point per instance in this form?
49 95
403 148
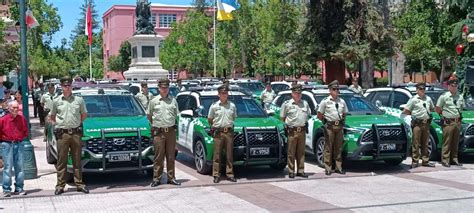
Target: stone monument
145 50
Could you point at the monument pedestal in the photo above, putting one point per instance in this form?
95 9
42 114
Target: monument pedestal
145 63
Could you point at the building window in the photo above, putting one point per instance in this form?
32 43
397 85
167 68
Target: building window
153 19
166 20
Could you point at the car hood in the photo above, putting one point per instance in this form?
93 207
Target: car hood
264 123
366 121
93 126
468 116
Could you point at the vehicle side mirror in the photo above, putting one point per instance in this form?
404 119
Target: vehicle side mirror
187 113
402 107
378 103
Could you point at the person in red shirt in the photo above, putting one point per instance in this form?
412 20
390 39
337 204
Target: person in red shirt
13 130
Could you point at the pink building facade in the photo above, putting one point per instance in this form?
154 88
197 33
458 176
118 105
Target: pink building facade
119 25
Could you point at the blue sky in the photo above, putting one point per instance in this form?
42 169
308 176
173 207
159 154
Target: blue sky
69 10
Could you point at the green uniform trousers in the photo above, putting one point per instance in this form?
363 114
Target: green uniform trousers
296 150
451 142
73 143
421 134
223 140
334 141
164 146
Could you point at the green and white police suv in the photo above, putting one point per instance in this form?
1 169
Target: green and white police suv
369 134
393 100
258 137
116 133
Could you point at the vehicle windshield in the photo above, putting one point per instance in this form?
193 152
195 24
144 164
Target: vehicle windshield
356 105
252 86
246 106
112 105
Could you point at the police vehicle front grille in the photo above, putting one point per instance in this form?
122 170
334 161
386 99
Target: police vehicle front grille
239 139
391 133
469 131
368 136
116 144
256 138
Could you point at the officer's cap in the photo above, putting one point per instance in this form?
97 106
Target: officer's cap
143 84
164 82
333 84
66 80
453 81
223 88
50 85
420 85
297 88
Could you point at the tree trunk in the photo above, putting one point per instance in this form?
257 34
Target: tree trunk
398 68
336 70
367 73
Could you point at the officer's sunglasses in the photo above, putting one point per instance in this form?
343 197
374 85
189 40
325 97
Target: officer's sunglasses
421 88
335 89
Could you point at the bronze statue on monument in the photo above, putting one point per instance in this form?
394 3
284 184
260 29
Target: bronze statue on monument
143 13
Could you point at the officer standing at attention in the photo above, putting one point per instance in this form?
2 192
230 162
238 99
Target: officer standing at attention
221 118
144 96
332 112
449 107
162 112
420 107
295 113
47 103
67 114
267 95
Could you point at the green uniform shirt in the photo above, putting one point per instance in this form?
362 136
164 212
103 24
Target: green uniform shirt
145 100
267 97
222 115
357 90
420 108
330 110
68 111
163 111
450 105
295 114
47 100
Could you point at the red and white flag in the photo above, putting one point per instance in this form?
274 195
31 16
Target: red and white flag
31 21
88 25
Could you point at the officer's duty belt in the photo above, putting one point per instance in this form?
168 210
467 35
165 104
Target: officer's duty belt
296 128
224 129
422 121
69 131
334 123
158 130
451 120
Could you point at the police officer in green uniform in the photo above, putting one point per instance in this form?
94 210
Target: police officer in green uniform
162 112
449 107
267 96
221 118
295 113
420 107
332 112
47 103
144 96
67 114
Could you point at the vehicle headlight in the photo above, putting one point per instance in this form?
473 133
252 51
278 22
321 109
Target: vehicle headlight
349 130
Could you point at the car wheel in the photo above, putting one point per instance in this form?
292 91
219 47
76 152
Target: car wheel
49 155
200 158
393 162
318 150
432 151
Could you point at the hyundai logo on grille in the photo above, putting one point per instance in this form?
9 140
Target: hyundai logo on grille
385 132
259 137
119 141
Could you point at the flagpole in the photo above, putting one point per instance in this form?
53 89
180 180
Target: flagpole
215 45
90 62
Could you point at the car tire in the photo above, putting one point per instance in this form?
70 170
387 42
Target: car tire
433 152
393 162
49 155
318 150
200 159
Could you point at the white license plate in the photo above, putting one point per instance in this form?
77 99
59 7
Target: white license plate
119 157
387 147
260 151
